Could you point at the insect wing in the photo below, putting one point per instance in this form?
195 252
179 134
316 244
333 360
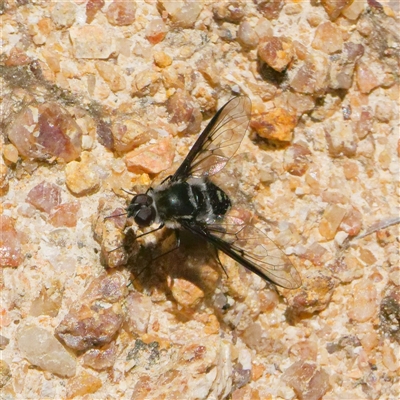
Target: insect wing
253 249
218 142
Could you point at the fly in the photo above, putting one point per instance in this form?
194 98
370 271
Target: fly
190 201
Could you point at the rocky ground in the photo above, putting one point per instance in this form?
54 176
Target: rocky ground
100 97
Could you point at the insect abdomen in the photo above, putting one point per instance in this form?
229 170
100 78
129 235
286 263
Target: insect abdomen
218 200
211 202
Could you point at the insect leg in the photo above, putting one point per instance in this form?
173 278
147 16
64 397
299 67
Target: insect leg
178 243
219 262
143 234
166 179
153 230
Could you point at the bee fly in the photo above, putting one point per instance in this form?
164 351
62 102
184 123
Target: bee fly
189 200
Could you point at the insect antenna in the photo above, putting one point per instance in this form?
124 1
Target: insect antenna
115 216
127 191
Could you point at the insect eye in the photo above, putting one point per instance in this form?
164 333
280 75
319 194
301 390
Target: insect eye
145 216
142 199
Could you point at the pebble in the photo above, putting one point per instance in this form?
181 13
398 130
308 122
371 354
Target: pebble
4 341
207 66
108 232
44 196
245 392
10 153
41 31
354 10
370 340
65 214
247 36
363 305
231 11
330 222
121 13
295 160
91 41
104 134
352 222
151 159
48 302
270 9
312 76
269 299
366 78
314 295
4 181
97 316
10 245
112 75
277 124
263 28
301 103
385 110
83 384
128 133
277 52
138 311
307 380
184 112
340 238
182 14
46 131
92 7
5 373
314 18
186 293
389 358
342 68
305 350
341 139
367 256
328 38
162 59
101 359
43 350
366 147
365 26
145 83
156 31
335 7
81 177
64 14
17 57
293 8
364 124
315 253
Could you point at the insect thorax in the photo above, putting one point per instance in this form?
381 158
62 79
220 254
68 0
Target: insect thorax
197 200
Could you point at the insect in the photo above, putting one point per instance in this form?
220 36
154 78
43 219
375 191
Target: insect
189 200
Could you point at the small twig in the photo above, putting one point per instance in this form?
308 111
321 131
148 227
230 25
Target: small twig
377 226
